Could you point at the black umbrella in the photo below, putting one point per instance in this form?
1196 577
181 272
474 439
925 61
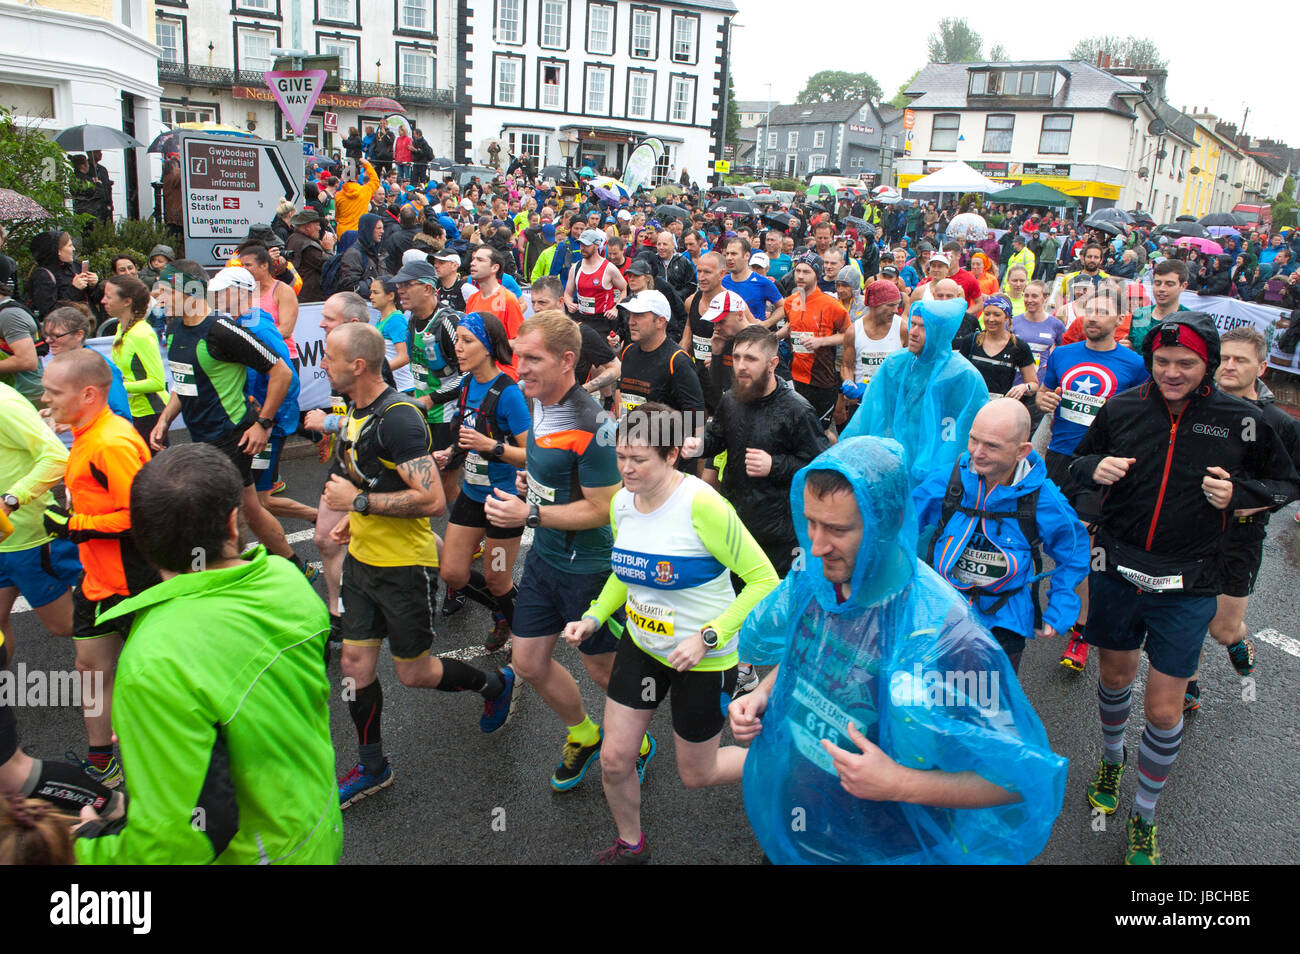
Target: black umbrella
1142 217
865 228
88 136
440 162
1102 225
1220 218
558 173
1178 229
765 200
1116 216
814 207
672 211
780 220
1185 218
734 206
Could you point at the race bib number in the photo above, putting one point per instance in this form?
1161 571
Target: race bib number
421 375
799 340
476 470
263 460
183 382
539 493
813 717
630 401
338 405
871 362
653 624
701 347
981 563
1079 408
1152 584
586 306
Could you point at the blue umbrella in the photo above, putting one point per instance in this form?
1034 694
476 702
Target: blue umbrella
608 196
587 171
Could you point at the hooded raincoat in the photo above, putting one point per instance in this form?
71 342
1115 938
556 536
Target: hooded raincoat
926 402
905 661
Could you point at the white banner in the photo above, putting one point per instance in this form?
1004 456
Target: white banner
1229 313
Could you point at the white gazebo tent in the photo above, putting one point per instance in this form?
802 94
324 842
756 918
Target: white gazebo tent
956 177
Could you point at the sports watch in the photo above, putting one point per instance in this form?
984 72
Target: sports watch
534 516
499 451
710 637
265 422
361 503
10 501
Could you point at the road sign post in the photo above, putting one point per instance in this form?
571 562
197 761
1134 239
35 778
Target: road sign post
232 184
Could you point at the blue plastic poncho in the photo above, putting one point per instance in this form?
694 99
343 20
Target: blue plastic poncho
904 659
926 402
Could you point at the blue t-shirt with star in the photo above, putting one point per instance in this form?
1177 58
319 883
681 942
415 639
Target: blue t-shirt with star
1087 379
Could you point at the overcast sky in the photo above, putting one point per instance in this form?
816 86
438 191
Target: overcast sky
783 42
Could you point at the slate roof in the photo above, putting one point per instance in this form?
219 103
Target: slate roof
945 85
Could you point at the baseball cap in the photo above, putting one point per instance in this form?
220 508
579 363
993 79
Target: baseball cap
940 257
414 255
882 292
760 260
640 266
889 271
234 276
651 301
186 276
591 237
467 205
417 272
624 215
548 231
446 255
723 304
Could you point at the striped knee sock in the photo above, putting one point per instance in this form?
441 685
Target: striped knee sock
1113 706
1156 757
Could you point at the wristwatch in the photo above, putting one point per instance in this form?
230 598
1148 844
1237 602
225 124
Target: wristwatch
710 637
499 451
265 422
361 503
534 516
10 501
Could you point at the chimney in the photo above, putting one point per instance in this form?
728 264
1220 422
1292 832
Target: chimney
1099 55
1107 61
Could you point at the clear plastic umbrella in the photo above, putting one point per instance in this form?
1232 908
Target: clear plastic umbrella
968 227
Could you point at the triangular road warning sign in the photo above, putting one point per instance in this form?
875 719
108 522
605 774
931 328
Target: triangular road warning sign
296 91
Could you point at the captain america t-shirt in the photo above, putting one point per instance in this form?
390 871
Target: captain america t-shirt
1087 379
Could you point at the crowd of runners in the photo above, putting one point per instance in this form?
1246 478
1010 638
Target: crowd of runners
721 441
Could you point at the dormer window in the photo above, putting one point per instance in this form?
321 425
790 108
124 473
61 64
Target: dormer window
1013 82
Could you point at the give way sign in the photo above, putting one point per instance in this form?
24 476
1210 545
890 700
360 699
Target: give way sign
296 91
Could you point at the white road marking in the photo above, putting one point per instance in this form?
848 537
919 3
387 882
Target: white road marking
465 654
1284 643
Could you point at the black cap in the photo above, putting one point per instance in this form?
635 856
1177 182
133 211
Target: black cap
640 266
417 272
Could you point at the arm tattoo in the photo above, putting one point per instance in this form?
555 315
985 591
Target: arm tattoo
423 497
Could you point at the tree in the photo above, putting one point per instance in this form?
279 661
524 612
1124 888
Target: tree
33 165
899 100
1283 207
955 42
831 86
733 115
998 54
1138 50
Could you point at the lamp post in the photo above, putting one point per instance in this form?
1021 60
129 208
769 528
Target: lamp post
567 142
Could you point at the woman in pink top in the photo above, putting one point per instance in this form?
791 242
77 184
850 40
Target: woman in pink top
402 152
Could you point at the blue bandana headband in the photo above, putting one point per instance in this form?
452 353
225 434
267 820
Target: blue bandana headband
999 301
473 322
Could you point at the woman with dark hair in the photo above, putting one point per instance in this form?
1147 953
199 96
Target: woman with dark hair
57 277
489 435
135 350
353 145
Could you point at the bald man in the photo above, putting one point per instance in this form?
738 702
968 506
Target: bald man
107 452
990 511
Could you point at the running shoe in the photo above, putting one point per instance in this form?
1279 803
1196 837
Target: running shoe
310 571
499 636
325 449
1142 848
1076 653
746 681
643 760
621 854
453 601
336 628
574 762
277 488
1103 790
359 783
1242 655
110 776
478 553
497 712
1191 697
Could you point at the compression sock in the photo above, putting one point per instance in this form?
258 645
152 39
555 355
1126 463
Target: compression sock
477 590
367 711
460 677
585 732
66 786
100 755
505 605
1113 705
1156 754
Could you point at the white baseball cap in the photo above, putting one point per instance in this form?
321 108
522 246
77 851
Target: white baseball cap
624 215
414 255
591 237
233 276
760 260
724 303
940 257
649 301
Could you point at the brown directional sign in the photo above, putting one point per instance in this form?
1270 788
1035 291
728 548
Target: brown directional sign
229 168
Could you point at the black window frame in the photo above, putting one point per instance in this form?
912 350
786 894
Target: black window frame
672 40
399 30
354 23
523 23
987 129
568 26
955 130
631 31
523 85
627 92
542 63
236 26
695 98
587 67
183 20
356 52
1043 129
240 11
613 32
414 46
